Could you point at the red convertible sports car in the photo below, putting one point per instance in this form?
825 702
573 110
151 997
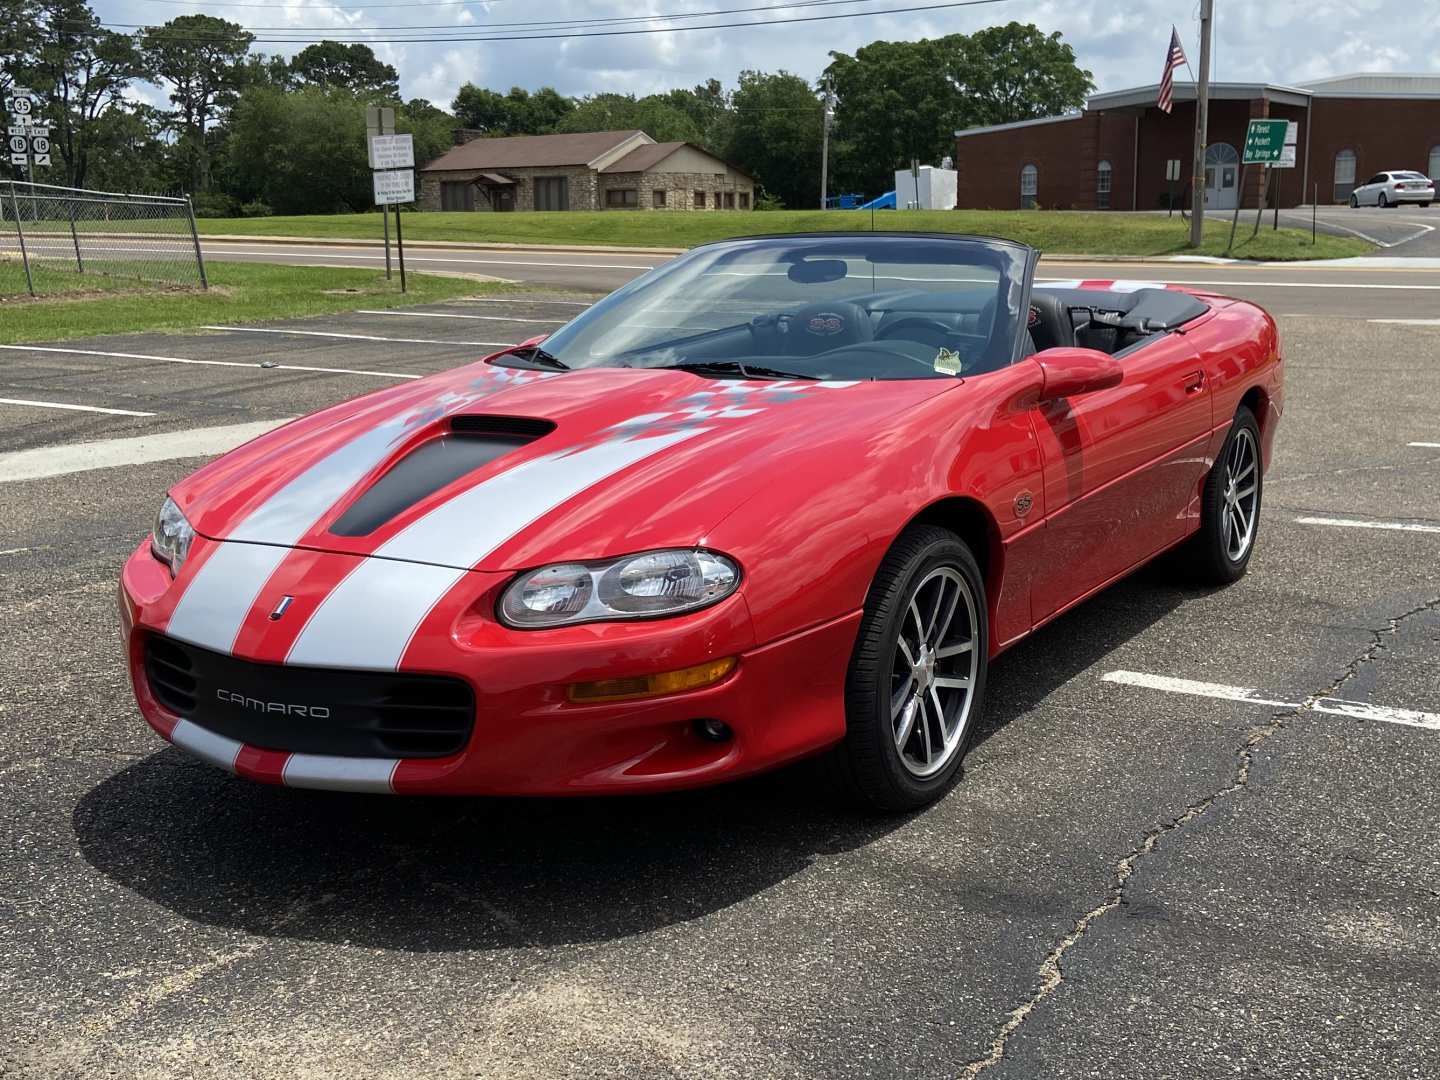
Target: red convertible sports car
781 496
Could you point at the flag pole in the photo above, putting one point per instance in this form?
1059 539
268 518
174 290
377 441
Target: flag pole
1202 111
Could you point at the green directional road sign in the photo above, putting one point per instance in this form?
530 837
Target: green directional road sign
1264 142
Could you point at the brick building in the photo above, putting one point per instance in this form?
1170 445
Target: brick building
598 170
1113 153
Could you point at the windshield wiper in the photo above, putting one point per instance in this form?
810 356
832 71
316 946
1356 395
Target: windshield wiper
533 356
736 367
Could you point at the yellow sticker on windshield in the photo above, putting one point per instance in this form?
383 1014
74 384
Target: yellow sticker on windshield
947 362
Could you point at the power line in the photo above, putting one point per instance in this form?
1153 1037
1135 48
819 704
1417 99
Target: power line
456 39
331 7
661 17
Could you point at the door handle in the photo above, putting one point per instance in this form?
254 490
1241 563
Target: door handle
1194 382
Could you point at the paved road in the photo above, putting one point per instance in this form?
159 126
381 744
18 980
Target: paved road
1409 231
1305 290
1130 882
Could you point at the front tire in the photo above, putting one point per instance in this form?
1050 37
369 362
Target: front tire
1354 203
916 682
1229 507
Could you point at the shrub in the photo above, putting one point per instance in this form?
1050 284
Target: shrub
214 204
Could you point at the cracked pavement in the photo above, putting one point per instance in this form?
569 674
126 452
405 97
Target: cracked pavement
1127 883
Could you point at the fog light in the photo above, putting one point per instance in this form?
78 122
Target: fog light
713 730
644 686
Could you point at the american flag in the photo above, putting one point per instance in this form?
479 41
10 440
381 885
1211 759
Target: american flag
1174 57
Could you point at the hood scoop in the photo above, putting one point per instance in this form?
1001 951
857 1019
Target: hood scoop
470 443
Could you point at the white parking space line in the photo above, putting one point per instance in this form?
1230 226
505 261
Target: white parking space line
355 337
1407 322
1249 283
1426 445
1350 523
527 300
447 315
208 363
1359 710
75 408
109 453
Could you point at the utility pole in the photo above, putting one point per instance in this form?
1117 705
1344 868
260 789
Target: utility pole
1202 118
829 115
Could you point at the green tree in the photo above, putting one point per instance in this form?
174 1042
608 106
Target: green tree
894 103
129 150
708 105
19 36
432 128
354 67
517 113
267 69
1016 72
776 135
903 100
618 112
301 152
81 72
202 59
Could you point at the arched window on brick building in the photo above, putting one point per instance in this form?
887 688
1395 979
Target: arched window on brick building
1102 185
1029 186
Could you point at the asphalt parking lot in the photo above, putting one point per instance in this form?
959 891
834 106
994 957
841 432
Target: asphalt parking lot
1196 836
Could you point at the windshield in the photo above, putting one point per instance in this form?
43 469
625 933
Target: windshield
847 306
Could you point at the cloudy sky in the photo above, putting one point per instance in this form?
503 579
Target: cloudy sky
1121 41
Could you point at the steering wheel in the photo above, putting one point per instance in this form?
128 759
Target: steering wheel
912 323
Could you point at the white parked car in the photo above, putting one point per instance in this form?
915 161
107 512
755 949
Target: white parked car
1393 188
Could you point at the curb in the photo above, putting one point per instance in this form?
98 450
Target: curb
544 249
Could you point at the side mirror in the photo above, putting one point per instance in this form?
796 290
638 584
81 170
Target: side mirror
1070 372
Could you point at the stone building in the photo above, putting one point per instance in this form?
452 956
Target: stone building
1113 154
598 170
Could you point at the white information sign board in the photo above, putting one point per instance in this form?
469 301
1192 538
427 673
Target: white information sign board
394 186
1287 152
392 152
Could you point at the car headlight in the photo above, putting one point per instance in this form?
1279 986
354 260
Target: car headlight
654 583
170 539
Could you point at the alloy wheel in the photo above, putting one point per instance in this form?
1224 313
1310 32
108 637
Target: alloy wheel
933 671
1240 497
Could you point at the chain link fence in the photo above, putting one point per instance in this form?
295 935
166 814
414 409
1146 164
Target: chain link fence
57 240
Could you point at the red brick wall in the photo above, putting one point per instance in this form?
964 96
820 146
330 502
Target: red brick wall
1067 154
1385 133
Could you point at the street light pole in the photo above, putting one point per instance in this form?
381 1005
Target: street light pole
829 113
1202 118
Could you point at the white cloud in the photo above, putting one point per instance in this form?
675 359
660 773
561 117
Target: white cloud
1122 44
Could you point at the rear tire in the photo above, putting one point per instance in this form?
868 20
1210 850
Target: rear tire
1229 507
916 682
1382 201
1424 204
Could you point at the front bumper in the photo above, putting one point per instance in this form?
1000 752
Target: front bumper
785 699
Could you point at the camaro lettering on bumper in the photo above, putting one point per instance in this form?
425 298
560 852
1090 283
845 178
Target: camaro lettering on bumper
233 697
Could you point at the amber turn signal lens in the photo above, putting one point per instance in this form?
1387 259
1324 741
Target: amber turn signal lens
644 686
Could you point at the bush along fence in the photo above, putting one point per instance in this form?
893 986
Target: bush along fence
52 239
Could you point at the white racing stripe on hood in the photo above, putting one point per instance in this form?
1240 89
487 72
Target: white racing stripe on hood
220 595
213 607
368 620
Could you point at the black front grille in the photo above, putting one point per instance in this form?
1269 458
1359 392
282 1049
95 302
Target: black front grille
311 710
